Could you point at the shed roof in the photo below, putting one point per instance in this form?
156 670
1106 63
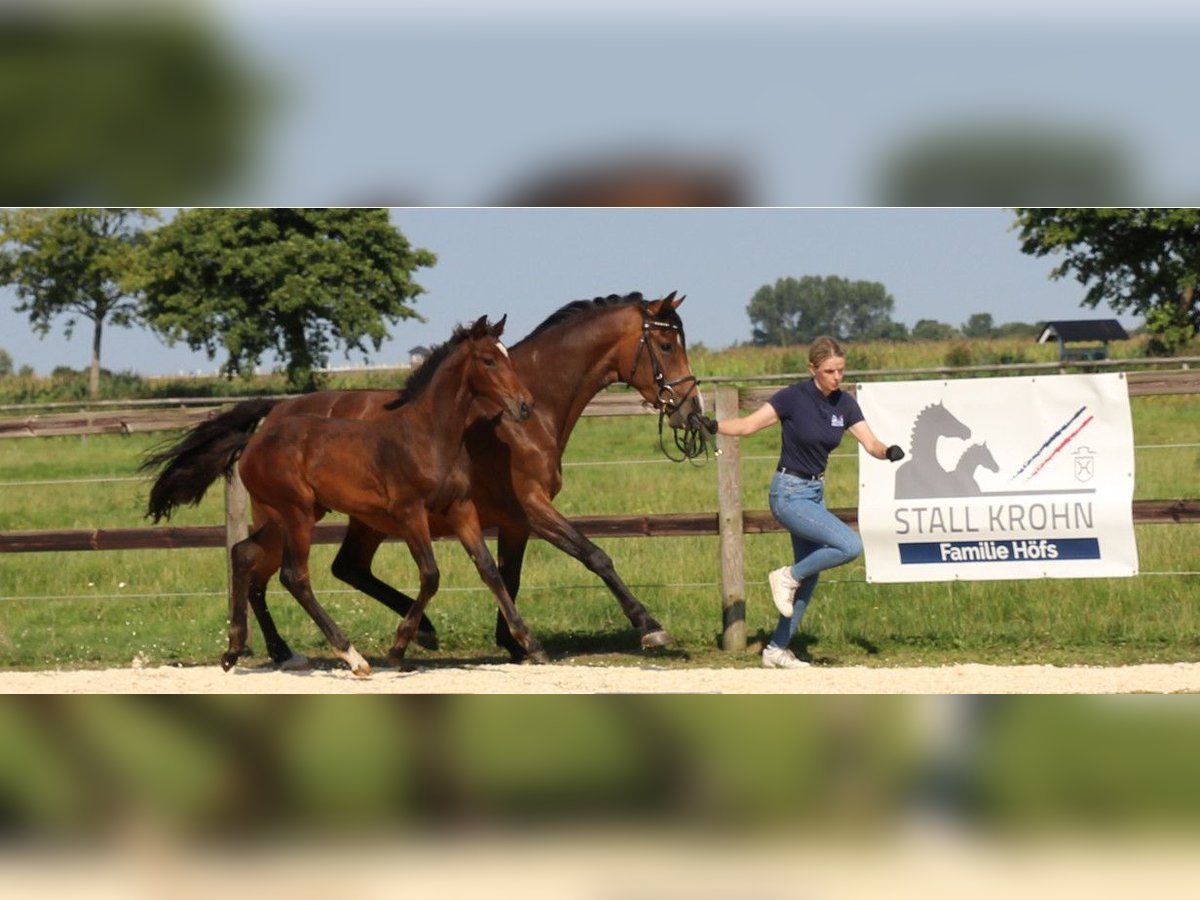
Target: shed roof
1083 330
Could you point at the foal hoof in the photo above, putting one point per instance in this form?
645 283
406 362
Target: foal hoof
230 657
427 640
358 665
536 658
655 639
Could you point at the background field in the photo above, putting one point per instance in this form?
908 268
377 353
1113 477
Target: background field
112 608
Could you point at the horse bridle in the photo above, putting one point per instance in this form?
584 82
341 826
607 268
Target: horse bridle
668 398
689 440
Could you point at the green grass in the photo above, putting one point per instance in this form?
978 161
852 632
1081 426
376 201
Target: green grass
169 606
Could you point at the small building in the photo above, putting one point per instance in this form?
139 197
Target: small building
1092 334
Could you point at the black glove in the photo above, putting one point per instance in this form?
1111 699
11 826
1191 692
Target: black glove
705 424
894 453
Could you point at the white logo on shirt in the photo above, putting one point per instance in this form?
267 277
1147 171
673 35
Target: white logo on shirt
837 421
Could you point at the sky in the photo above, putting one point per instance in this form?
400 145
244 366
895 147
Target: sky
406 105
442 108
525 263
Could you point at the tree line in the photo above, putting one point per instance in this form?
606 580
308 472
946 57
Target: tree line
796 310
301 282
1143 261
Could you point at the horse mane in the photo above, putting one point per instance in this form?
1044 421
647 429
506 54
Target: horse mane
419 379
577 308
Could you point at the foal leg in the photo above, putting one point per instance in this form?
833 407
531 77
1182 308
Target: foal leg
420 545
353 566
295 577
464 519
254 561
242 557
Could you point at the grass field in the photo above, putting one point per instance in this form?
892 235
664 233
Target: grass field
112 608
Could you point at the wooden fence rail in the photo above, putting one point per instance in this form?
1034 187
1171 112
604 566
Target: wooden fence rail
705 524
178 416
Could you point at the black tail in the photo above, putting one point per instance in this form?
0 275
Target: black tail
200 457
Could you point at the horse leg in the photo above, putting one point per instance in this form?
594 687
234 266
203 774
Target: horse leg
510 550
295 577
549 524
464 519
353 566
420 545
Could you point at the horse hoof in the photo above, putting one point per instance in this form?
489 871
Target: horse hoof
229 660
427 640
358 665
654 639
538 658
295 663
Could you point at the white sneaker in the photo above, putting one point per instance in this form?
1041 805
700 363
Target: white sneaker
775 658
783 589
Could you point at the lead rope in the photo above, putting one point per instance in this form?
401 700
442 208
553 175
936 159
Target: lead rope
690 442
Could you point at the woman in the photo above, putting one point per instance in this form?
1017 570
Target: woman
814 415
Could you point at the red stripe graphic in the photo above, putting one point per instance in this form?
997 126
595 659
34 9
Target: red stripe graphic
1066 441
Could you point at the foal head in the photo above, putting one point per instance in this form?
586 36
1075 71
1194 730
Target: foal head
489 371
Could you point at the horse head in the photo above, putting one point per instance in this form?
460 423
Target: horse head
490 372
660 370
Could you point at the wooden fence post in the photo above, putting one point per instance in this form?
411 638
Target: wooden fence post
729 517
237 526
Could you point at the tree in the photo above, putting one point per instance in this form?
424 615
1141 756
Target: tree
985 163
933 330
74 262
794 311
979 325
296 281
1144 260
101 106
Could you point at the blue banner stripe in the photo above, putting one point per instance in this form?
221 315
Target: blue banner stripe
1037 550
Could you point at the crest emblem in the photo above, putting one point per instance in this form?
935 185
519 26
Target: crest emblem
1085 464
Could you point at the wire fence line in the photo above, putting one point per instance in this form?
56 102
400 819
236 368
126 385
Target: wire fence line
580 464
533 588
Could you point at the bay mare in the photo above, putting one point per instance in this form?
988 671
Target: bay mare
511 471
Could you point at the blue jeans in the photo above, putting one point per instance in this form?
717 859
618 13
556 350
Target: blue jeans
820 541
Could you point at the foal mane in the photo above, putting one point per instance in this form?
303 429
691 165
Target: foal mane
578 308
420 378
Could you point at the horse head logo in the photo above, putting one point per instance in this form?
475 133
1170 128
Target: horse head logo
923 475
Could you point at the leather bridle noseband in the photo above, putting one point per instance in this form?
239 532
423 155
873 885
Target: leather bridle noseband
690 441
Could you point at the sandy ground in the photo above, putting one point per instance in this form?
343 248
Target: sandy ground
566 678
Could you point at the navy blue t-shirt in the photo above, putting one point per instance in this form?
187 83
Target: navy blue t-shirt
812 425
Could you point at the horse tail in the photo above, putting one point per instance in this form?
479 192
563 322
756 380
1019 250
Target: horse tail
202 455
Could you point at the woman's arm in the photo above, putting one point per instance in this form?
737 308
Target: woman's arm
763 417
864 435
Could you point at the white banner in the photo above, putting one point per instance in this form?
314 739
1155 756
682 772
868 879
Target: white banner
1002 478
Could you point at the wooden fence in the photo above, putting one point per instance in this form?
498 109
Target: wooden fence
730 523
